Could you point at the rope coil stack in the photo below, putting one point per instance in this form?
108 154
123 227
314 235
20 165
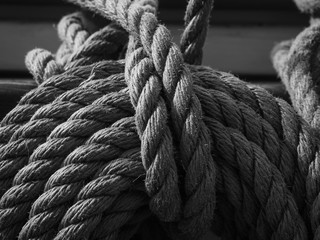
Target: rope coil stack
104 144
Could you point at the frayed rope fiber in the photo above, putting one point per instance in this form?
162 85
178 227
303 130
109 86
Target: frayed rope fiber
127 137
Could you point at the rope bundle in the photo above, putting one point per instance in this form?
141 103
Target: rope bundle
103 145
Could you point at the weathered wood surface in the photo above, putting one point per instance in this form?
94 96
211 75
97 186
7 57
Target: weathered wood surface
260 17
11 90
237 49
225 4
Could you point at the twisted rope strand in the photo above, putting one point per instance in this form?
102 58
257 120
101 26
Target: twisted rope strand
262 155
288 63
262 177
81 165
26 110
275 112
45 94
30 103
104 44
216 103
196 22
234 90
157 150
228 177
101 192
73 30
42 65
301 80
32 176
186 110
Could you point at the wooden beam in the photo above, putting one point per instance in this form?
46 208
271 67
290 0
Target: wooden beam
45 13
239 49
225 4
11 90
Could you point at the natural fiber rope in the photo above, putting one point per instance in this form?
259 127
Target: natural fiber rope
38 60
80 152
194 35
301 80
151 120
46 118
265 155
73 31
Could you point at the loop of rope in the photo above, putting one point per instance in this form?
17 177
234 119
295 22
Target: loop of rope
34 133
42 65
24 111
30 135
37 130
227 86
73 31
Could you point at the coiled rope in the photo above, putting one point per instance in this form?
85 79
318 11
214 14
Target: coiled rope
101 143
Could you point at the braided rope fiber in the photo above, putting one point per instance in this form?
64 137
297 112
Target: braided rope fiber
194 35
304 78
46 117
104 145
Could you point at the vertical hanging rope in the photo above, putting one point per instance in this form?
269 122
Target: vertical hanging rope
196 24
203 173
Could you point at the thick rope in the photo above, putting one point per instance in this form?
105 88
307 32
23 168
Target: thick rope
38 58
89 207
77 183
196 24
188 126
79 152
29 136
42 65
36 131
46 93
97 155
302 83
55 86
73 31
301 80
41 125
